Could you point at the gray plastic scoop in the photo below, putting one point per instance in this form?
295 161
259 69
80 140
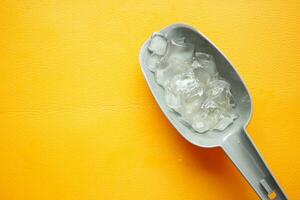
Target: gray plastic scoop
234 139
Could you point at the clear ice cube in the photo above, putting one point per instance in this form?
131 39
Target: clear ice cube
174 67
190 107
172 100
206 62
158 44
209 105
191 92
178 88
182 52
184 83
199 123
202 75
216 87
219 90
153 61
213 117
188 89
200 126
223 123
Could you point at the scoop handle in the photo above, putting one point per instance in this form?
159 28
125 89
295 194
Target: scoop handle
243 153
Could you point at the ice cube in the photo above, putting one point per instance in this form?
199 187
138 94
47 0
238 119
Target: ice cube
206 62
158 44
219 90
190 107
195 64
180 87
210 108
216 87
173 100
233 115
186 87
190 91
164 75
153 61
184 83
200 126
209 104
202 75
182 52
213 117
199 123
223 123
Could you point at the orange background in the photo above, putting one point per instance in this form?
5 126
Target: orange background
78 122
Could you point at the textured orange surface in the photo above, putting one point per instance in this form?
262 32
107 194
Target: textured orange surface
78 122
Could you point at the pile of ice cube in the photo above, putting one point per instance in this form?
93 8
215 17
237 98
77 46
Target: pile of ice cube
191 83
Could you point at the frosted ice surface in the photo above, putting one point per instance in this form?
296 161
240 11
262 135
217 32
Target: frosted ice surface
191 83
